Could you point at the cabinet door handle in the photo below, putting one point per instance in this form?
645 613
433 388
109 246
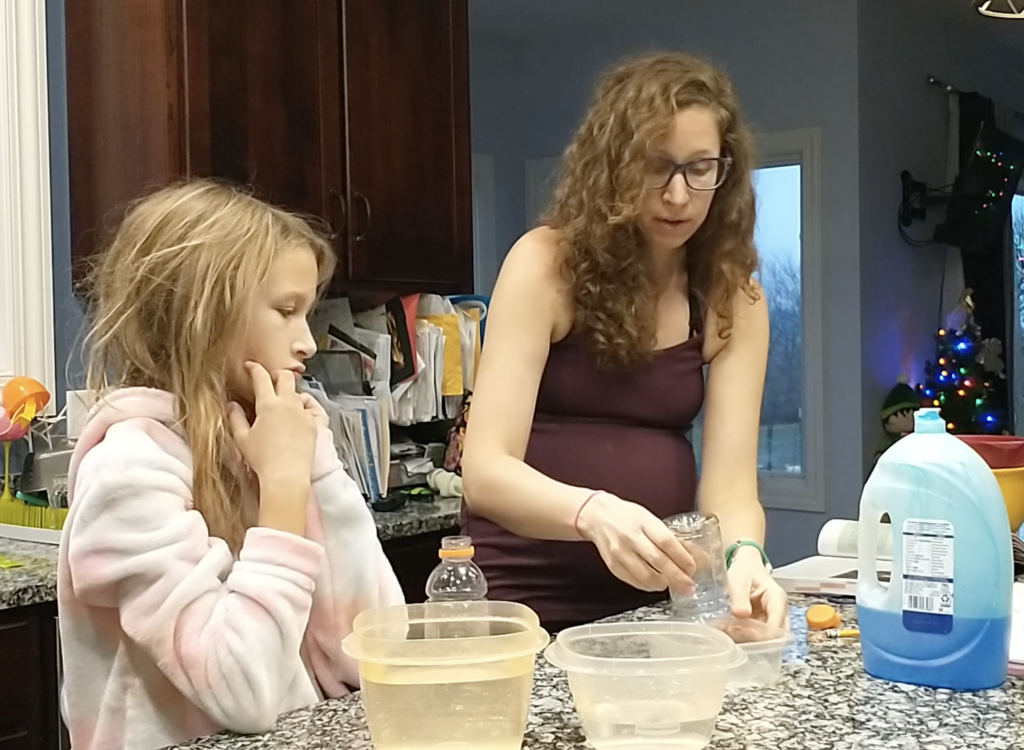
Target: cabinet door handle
344 215
369 217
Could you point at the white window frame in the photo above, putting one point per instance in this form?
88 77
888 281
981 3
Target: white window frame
778 490
26 255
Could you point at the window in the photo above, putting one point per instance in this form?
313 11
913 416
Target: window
1017 256
789 455
780 447
1017 213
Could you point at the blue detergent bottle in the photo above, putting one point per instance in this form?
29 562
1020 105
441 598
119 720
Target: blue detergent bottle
944 619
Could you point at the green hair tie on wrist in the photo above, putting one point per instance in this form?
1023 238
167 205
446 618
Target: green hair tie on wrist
730 553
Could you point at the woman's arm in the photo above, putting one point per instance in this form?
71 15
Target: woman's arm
527 303
728 483
528 307
732 418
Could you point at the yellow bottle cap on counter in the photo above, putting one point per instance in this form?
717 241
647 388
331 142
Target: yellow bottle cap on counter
823 617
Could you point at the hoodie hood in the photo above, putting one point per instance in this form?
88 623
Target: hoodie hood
120 406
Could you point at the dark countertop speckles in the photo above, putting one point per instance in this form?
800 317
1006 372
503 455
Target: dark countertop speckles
36 580
418 517
824 701
32 583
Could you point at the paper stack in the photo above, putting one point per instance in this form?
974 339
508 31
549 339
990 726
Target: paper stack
408 361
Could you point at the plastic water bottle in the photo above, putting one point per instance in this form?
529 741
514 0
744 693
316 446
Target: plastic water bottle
457 578
452 589
944 619
701 535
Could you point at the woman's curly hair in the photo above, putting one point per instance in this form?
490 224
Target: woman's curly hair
600 191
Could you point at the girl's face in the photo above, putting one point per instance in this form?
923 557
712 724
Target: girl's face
671 214
277 334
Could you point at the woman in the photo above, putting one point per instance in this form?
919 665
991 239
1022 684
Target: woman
598 331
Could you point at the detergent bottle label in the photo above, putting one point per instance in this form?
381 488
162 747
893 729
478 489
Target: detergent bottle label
928 575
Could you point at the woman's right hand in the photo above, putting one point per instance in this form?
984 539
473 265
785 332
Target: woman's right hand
636 545
278 447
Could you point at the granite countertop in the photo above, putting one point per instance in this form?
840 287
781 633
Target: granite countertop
36 580
824 700
418 517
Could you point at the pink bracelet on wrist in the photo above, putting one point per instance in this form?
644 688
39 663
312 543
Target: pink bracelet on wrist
576 521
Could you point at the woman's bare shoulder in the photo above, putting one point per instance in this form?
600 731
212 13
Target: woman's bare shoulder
532 271
541 248
748 307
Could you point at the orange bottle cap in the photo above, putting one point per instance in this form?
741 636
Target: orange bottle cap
823 617
446 554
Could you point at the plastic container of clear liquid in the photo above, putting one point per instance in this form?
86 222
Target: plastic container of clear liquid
424 692
944 619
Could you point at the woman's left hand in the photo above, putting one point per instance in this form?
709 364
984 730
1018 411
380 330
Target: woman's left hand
753 592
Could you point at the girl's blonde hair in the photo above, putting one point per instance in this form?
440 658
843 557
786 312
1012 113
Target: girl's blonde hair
601 189
169 297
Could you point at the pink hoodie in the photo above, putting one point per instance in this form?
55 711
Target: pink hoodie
165 635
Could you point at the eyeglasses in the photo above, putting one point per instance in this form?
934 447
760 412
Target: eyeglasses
699 174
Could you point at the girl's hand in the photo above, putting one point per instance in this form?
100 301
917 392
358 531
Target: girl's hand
753 592
279 444
315 410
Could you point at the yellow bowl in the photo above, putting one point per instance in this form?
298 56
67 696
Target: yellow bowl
1011 482
1004 455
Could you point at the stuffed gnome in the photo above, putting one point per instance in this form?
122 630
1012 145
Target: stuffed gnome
897 415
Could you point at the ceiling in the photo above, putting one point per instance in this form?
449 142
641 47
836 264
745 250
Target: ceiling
1002 32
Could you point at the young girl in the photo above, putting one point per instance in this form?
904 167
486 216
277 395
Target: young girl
215 552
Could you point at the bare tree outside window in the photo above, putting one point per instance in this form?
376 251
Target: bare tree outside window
1017 234
780 447
1018 223
777 234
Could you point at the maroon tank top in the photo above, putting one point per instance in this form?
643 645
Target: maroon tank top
624 432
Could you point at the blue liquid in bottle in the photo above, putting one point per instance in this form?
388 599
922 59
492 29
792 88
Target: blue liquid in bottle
944 620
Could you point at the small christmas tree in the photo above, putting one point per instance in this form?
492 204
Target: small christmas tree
960 378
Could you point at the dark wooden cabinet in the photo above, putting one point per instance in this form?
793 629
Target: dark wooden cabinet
413 559
264 99
126 114
353 111
407 113
29 707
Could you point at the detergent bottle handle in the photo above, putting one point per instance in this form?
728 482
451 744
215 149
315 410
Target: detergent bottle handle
869 589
